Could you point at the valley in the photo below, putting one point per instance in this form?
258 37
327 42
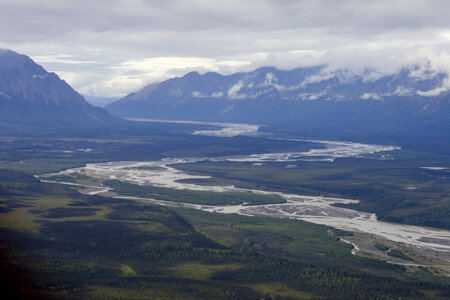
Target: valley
127 180
99 244
93 206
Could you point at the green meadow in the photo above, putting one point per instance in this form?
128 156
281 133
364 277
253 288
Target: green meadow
59 244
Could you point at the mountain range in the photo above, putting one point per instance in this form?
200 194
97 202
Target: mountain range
32 97
312 99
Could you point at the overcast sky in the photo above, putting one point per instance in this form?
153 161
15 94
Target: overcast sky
112 47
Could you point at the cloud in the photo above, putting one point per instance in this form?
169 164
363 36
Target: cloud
402 91
113 47
234 90
373 96
271 81
311 96
318 78
433 92
198 94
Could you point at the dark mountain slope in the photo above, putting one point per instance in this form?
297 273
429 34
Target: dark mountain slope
32 97
309 99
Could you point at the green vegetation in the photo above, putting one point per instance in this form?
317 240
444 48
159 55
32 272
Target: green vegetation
189 196
199 271
339 232
383 187
381 247
296 239
126 250
399 254
73 177
64 212
201 181
396 190
127 270
275 290
58 244
149 168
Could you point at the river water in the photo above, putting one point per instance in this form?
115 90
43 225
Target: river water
313 209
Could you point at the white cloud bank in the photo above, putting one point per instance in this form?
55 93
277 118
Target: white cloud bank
110 48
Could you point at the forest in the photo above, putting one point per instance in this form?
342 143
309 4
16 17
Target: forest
57 243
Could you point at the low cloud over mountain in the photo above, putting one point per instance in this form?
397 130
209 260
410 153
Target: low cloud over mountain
312 98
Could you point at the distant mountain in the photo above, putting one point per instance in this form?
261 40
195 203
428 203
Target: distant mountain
32 97
100 101
311 99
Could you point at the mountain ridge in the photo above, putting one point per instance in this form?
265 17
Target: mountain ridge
31 96
309 98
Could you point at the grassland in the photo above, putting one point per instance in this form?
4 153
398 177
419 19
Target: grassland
397 191
199 271
381 247
58 244
399 254
119 249
191 196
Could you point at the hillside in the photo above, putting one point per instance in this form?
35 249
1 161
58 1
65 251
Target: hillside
311 99
32 97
